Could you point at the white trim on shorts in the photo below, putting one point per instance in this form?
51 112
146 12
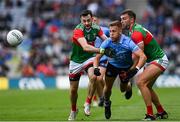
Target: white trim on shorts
162 63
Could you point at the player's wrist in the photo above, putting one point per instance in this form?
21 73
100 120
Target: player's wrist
101 50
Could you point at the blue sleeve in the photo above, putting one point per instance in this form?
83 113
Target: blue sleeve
133 47
106 31
105 43
98 42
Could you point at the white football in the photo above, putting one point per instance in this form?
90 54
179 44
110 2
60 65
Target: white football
14 37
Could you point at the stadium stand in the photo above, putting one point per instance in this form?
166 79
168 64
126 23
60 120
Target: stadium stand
47 27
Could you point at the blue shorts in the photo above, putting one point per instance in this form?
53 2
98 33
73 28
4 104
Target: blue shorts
103 63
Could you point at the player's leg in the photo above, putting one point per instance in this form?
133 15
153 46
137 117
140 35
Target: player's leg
125 86
107 93
143 80
74 83
162 64
110 76
161 113
91 89
100 86
95 99
74 76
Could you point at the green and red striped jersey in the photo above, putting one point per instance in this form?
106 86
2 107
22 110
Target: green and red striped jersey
78 55
151 48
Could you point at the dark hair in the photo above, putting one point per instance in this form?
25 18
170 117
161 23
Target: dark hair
130 13
116 23
85 13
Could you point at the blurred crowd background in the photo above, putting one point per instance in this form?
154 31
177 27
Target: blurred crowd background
47 26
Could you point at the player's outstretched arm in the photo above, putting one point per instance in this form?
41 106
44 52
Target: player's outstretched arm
86 47
103 37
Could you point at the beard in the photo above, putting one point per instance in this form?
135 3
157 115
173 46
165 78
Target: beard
127 27
125 30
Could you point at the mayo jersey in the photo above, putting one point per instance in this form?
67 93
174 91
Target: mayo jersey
78 55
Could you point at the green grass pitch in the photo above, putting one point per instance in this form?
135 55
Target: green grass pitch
54 105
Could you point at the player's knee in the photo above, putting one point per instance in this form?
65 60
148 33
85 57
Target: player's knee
141 83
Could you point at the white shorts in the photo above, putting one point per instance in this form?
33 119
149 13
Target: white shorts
76 68
162 63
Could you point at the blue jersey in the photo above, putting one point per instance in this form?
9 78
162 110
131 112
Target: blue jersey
98 42
123 51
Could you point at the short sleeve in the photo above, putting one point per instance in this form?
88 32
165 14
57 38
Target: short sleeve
78 33
133 47
137 37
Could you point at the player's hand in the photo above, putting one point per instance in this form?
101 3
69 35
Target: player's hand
126 76
97 71
132 72
110 52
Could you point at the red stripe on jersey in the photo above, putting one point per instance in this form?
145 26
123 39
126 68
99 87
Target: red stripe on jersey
138 37
77 33
100 33
162 68
148 38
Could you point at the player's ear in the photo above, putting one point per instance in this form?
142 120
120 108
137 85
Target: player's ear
132 20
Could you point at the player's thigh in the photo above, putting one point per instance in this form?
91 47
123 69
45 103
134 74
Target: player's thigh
110 75
149 75
102 70
74 85
109 81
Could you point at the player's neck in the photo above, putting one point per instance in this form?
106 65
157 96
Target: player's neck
87 29
131 26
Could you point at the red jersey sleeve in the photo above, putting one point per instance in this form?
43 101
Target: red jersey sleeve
137 37
100 33
78 33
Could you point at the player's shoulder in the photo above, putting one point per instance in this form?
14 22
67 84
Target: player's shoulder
79 26
125 38
108 41
138 27
95 26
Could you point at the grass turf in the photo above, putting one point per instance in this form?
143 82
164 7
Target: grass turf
54 105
